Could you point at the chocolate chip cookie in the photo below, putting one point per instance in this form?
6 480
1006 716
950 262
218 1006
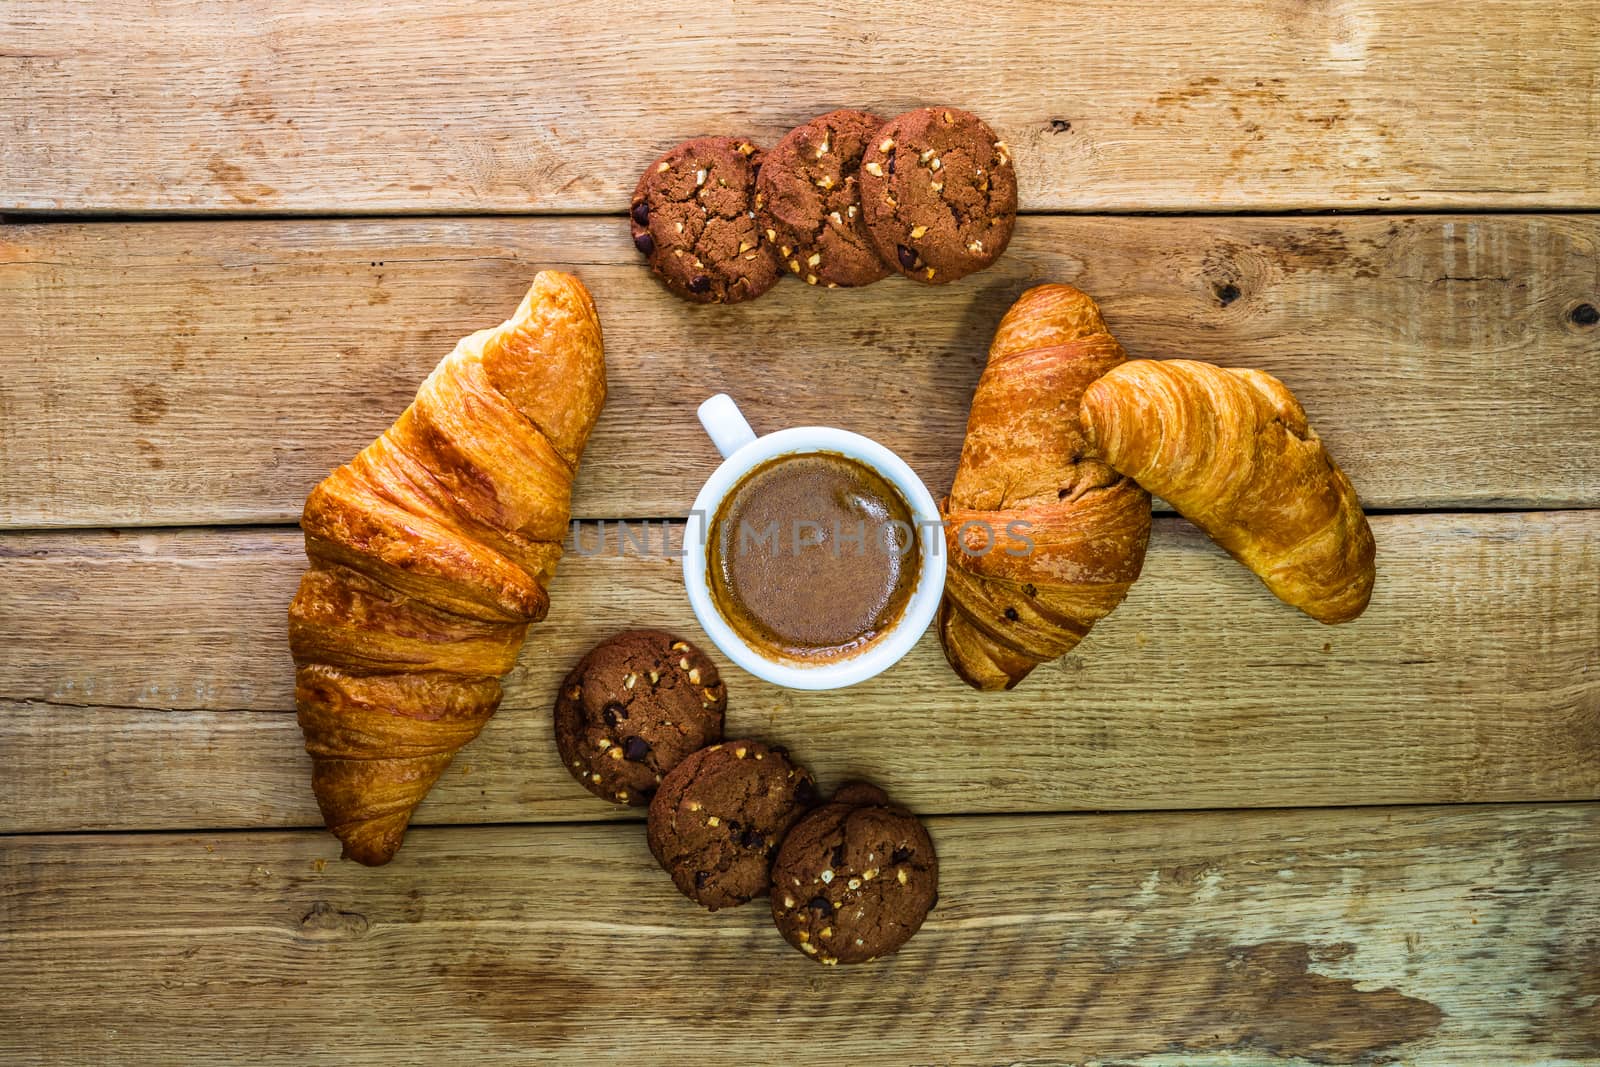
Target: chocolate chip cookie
855 878
808 201
693 218
632 709
719 816
939 194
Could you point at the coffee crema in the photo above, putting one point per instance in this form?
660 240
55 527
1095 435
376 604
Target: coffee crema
812 557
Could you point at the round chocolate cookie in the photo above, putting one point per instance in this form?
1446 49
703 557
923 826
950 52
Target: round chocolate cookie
718 819
808 201
854 879
693 218
939 194
632 709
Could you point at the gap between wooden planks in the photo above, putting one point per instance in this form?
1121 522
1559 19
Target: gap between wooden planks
214 372
146 683
1131 105
1428 935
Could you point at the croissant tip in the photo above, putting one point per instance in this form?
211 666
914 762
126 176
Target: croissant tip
547 281
983 683
995 683
368 857
1342 616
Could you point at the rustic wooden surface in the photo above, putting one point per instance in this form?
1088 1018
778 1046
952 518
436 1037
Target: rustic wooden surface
1337 936
1471 678
1216 834
484 105
146 351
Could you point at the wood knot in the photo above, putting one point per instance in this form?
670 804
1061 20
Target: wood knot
324 922
1584 315
1060 126
1227 293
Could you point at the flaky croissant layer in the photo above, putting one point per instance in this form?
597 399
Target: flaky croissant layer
1232 451
430 555
1013 602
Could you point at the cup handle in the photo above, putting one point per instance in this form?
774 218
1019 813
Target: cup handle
725 424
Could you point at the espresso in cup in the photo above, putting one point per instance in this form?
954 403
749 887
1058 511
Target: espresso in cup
812 556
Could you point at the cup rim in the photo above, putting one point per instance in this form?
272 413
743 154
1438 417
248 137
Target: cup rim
919 610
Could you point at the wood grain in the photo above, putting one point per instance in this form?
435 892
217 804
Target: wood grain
201 372
146 684
164 374
1268 938
1136 105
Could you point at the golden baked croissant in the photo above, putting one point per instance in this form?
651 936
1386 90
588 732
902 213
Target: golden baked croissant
1044 541
430 553
1231 450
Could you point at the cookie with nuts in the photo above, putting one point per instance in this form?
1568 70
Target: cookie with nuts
808 201
693 218
939 194
855 878
719 817
632 709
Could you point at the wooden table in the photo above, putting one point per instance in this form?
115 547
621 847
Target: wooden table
238 233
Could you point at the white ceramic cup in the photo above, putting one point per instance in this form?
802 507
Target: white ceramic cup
742 451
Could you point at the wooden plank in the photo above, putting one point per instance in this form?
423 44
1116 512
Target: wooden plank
1116 106
145 683
1432 936
198 373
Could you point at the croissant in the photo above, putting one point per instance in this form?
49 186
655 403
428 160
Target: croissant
430 553
1044 540
1231 450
